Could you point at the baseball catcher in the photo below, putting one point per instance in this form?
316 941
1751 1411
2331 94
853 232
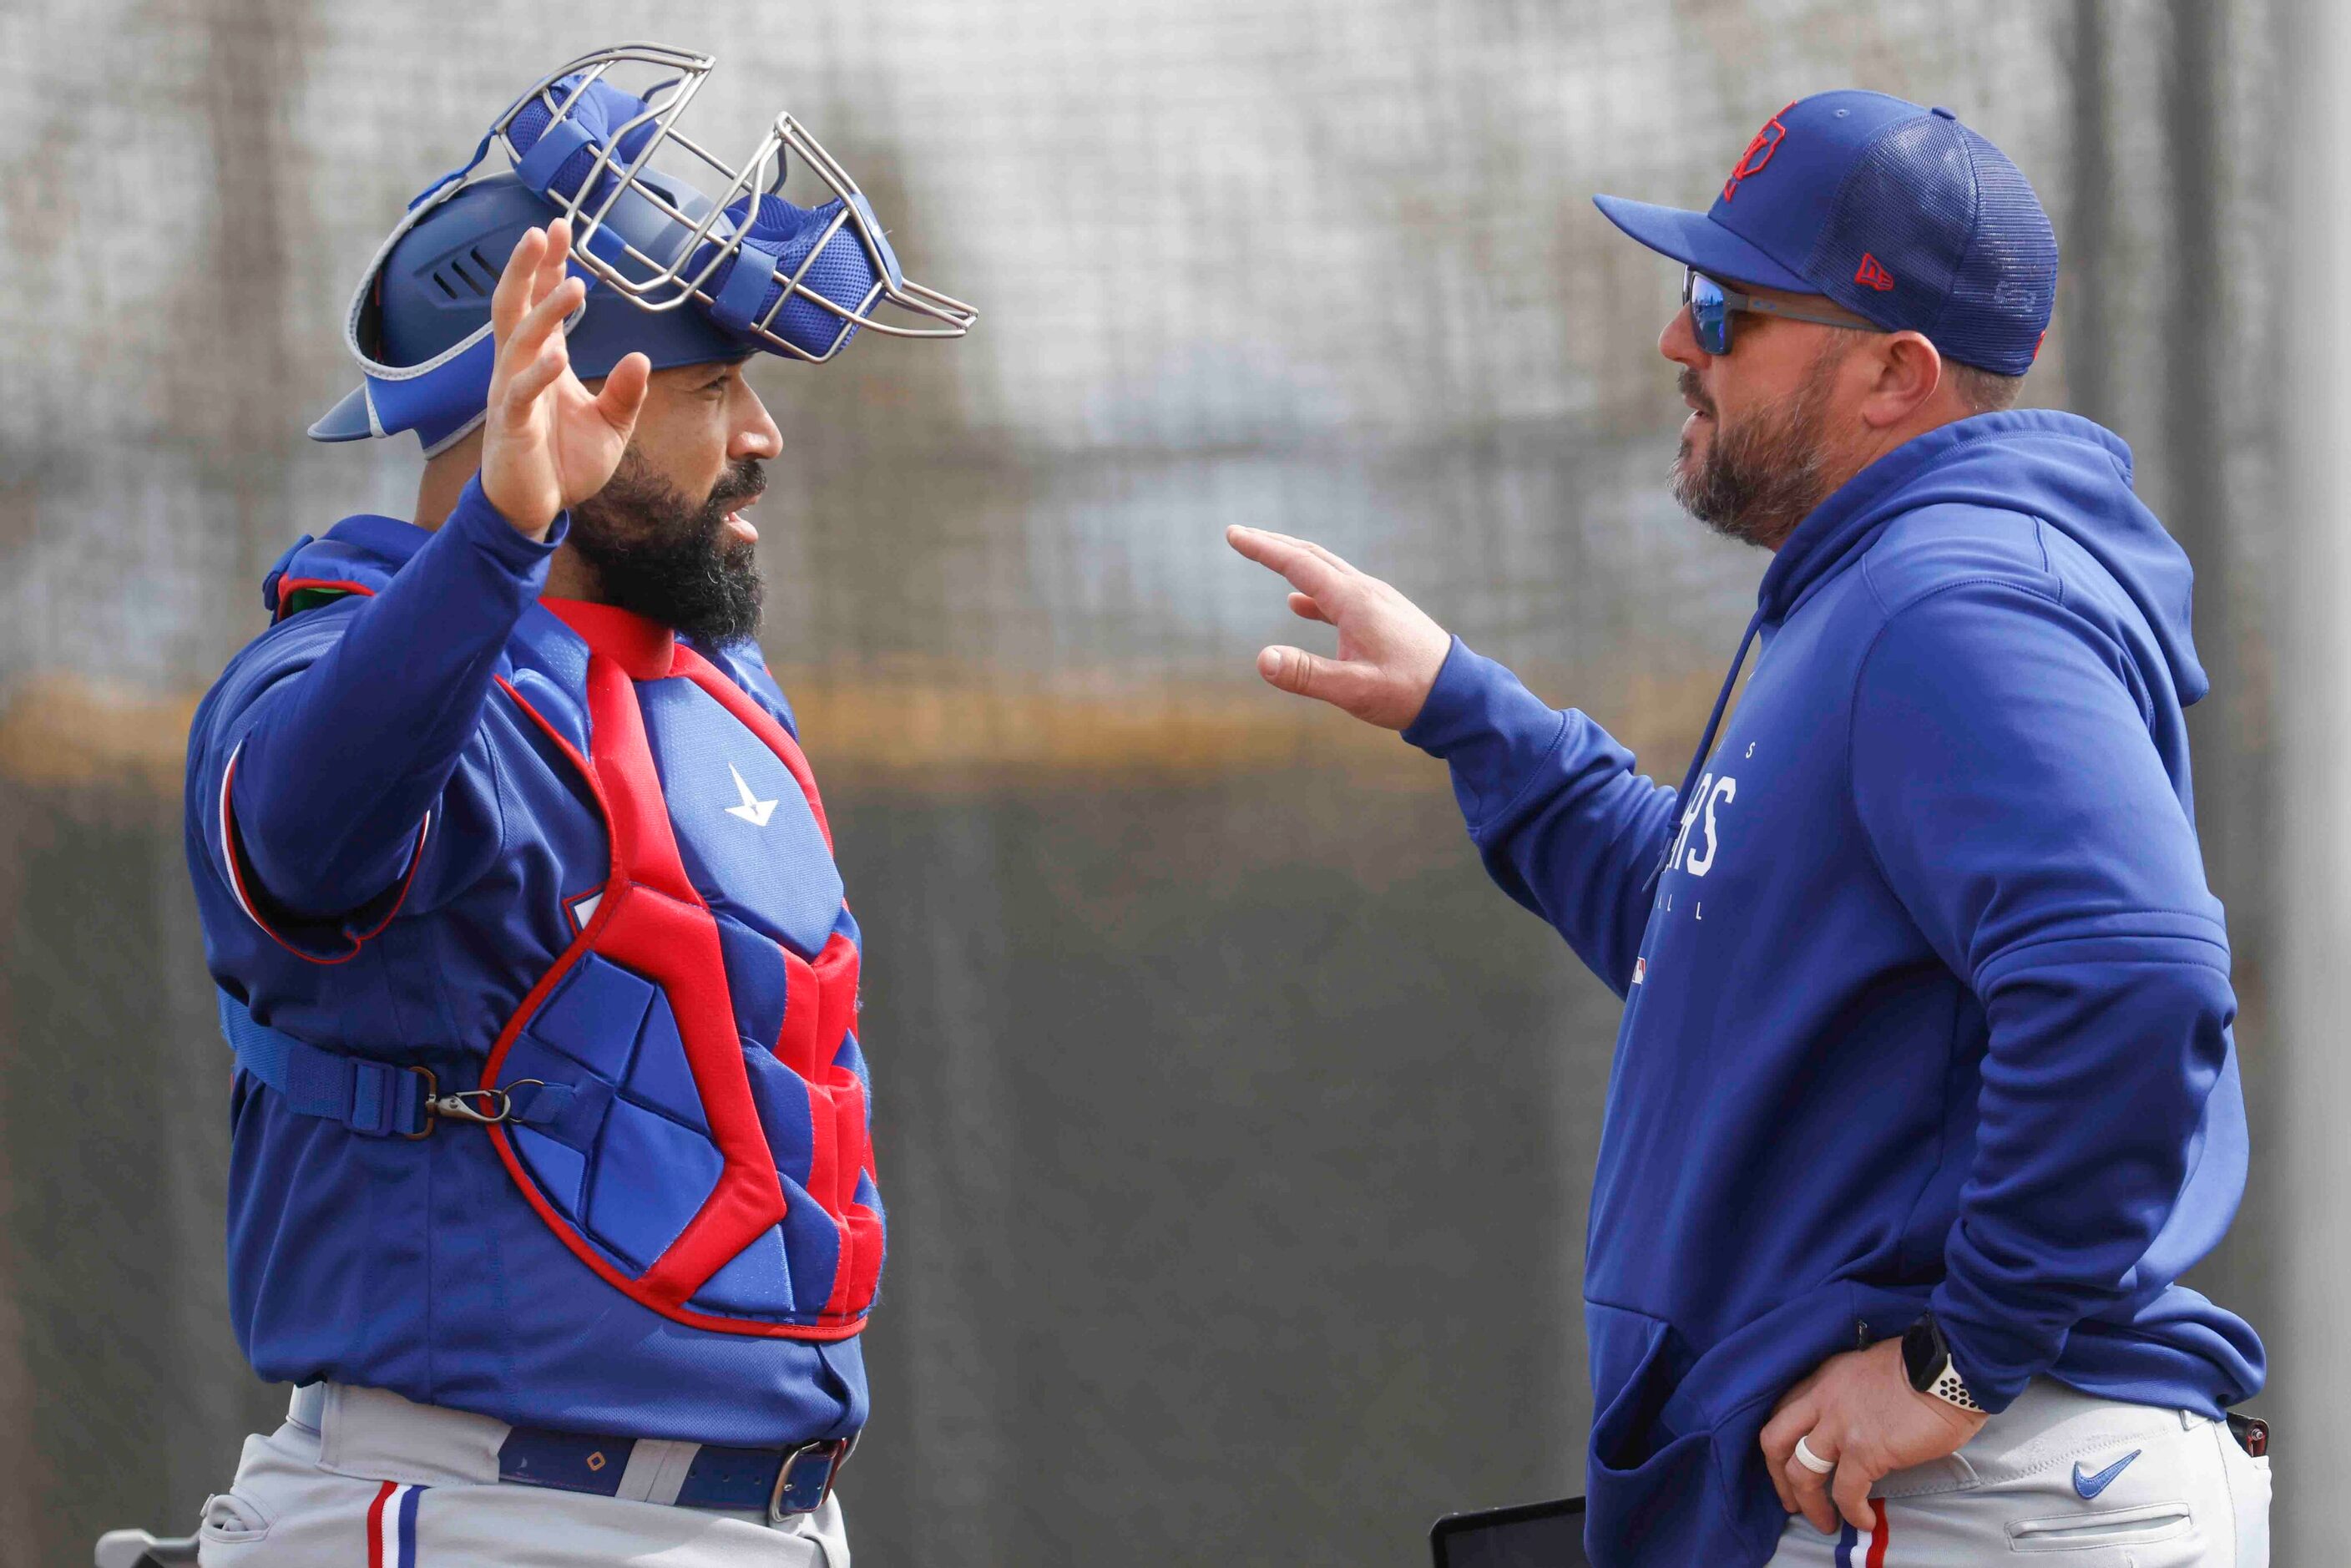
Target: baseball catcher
550 1187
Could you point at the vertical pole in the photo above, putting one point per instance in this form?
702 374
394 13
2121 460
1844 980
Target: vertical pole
2310 1356
2195 376
2211 462
2084 317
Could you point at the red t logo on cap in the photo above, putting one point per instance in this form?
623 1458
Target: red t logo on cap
1758 152
1873 275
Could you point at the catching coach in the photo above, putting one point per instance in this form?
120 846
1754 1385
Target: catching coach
1925 1094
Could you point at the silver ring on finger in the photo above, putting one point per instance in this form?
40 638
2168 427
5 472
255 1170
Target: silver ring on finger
1811 1460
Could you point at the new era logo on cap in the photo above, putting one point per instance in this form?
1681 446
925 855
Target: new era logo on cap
1893 211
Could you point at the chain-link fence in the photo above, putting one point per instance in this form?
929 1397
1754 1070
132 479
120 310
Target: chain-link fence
1237 1134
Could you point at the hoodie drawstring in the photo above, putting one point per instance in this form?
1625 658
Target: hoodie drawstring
1706 744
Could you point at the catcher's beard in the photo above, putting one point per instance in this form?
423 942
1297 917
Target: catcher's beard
656 552
1764 475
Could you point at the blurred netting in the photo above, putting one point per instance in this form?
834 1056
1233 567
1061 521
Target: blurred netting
1235 1134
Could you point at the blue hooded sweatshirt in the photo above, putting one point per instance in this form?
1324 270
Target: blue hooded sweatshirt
1926 1002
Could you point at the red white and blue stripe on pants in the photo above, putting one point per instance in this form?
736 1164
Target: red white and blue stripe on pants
1859 1550
392 1527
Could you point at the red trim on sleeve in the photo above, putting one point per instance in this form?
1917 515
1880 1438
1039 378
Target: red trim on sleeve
236 864
289 586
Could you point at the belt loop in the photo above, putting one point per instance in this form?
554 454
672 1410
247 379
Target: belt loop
656 1468
307 1408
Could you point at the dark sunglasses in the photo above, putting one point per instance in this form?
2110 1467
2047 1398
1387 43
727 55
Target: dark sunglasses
1711 306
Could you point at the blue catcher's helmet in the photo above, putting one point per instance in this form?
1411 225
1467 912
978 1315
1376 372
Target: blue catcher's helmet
672 272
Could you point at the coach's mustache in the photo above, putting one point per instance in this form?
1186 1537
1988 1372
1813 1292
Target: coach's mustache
1686 382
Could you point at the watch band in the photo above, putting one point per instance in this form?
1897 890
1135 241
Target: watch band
1927 1362
1951 1388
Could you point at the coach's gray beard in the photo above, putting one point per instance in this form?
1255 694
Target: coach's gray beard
1764 475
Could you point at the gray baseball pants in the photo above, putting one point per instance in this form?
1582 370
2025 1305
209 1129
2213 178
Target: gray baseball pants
361 1477
2165 1489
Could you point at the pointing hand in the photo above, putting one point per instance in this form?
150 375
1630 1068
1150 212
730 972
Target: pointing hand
1389 650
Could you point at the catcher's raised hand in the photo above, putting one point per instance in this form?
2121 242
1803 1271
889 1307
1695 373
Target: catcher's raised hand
548 442
1389 650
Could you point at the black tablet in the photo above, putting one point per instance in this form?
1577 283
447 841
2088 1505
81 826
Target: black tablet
1529 1535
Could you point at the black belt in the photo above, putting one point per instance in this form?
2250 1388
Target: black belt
781 1481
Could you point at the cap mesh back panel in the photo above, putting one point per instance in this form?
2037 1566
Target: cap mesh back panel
1957 229
2007 285
1908 202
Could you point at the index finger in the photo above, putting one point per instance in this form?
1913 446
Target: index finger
1305 568
1309 546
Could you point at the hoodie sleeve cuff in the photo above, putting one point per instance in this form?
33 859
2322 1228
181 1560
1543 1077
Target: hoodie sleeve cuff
1493 732
482 525
1996 1361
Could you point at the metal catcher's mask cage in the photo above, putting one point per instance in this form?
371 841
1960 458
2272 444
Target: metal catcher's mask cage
660 218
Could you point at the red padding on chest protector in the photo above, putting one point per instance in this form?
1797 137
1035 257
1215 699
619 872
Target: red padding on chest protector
819 1008
842 1146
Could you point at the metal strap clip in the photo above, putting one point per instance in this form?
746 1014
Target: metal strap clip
486 1107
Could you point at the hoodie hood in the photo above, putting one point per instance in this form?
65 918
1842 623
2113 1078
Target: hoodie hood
2072 474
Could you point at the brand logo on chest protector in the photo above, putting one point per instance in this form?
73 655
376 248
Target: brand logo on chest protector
753 810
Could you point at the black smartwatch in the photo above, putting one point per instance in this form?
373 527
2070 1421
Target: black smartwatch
1927 1359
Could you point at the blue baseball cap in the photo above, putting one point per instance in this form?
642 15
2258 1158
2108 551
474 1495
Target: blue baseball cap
1897 212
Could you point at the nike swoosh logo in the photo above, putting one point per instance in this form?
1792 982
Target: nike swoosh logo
2091 1486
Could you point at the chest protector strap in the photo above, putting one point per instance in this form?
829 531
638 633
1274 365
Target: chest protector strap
373 1098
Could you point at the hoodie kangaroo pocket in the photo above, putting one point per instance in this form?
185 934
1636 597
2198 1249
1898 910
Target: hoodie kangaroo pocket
1648 1481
